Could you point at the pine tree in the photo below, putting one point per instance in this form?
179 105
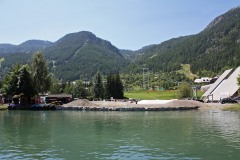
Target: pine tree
39 71
19 83
98 89
118 87
114 86
25 85
10 85
108 87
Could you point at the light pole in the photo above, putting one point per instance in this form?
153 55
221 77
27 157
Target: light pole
146 78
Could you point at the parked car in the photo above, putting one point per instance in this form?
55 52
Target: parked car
227 100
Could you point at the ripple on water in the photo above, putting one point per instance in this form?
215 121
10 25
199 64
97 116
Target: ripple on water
140 153
121 135
23 154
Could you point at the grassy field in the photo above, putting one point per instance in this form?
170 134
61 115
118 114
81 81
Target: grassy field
186 71
151 95
233 108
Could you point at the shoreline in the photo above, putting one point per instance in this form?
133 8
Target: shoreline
144 105
172 105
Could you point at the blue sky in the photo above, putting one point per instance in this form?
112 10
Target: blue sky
127 24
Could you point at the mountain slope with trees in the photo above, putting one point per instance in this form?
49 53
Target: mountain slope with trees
28 46
74 56
211 51
80 55
83 54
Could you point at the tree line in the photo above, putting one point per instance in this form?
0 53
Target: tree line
112 88
25 82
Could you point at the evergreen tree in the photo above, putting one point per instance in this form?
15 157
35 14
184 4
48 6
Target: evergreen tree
25 85
39 70
107 87
57 87
110 87
78 90
118 87
25 82
68 88
114 86
19 83
98 89
11 81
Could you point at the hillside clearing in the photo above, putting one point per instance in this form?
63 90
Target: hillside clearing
187 72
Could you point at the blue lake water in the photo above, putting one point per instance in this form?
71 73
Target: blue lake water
190 135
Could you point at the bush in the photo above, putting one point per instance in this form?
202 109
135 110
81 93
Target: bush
184 90
3 107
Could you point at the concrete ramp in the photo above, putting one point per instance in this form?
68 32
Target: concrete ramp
225 86
217 83
229 88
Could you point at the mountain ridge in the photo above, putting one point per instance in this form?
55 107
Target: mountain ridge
27 46
214 49
78 54
209 52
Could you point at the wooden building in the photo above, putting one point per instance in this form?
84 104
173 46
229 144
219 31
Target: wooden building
61 98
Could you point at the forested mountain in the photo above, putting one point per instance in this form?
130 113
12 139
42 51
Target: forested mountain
215 48
80 55
158 57
74 56
28 46
135 55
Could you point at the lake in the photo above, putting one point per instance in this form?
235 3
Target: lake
191 135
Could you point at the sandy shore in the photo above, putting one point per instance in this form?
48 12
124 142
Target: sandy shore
170 105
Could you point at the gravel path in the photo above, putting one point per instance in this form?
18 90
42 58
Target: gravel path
172 104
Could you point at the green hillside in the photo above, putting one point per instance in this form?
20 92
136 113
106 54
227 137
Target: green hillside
75 56
215 48
185 69
80 55
25 47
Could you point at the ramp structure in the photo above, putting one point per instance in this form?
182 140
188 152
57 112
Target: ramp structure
226 86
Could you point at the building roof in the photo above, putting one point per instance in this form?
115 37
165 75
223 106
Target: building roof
60 95
203 80
216 83
225 85
229 86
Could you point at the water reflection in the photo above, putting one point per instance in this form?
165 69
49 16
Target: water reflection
222 123
119 135
26 134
